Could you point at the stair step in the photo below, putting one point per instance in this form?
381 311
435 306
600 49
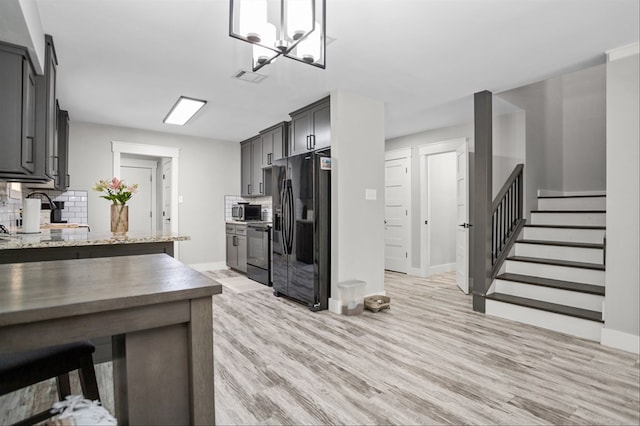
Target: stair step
562 244
571 196
564 233
577 202
547 282
569 217
555 262
588 227
546 306
568 211
560 250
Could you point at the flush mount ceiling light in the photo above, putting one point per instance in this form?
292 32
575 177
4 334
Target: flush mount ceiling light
291 28
183 110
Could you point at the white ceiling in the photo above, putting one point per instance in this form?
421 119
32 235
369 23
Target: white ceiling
125 62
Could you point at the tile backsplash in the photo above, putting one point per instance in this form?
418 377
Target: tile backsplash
75 204
230 200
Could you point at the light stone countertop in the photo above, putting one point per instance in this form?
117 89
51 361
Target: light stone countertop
74 237
248 222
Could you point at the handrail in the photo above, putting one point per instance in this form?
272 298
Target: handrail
512 177
506 219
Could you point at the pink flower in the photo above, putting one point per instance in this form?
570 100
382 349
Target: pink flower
115 184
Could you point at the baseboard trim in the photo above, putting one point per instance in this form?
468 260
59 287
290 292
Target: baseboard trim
335 306
621 340
211 266
417 272
439 269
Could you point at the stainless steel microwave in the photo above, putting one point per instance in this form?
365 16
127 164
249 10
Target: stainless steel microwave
246 211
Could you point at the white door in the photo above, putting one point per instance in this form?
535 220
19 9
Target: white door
462 234
166 196
397 200
141 204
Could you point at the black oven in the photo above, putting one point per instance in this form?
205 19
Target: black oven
259 253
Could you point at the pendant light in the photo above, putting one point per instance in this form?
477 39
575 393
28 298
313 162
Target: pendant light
291 28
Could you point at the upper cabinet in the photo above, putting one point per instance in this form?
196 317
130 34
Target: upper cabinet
251 167
274 140
29 123
62 180
47 110
20 150
310 128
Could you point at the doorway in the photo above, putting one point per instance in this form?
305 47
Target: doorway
142 207
165 158
444 237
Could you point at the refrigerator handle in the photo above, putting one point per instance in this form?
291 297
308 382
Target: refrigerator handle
283 219
291 220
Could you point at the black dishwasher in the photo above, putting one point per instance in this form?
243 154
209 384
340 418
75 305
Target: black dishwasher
259 252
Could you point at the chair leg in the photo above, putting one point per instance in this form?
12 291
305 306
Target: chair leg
64 386
88 380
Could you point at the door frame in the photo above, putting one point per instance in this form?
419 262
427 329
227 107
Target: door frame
424 151
398 154
119 148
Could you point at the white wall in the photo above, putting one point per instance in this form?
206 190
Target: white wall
20 25
584 130
442 211
542 103
509 147
565 132
209 170
357 225
622 300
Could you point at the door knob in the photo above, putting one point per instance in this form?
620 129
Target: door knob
466 225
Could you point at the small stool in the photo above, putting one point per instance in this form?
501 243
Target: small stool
22 369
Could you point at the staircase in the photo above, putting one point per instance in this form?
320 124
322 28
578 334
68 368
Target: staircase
554 275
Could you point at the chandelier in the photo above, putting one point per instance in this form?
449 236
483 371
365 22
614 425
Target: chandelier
291 28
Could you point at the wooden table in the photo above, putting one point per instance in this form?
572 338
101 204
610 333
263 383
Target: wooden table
158 310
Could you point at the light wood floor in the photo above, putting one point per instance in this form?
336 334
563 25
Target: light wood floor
428 360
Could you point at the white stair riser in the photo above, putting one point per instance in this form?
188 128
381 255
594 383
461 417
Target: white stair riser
577 219
592 302
587 203
563 273
595 236
578 327
576 254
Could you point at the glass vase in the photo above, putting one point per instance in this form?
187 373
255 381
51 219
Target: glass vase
119 220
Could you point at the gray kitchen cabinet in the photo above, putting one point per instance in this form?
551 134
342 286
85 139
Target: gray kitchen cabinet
237 246
251 167
62 180
47 110
20 148
310 128
274 143
245 168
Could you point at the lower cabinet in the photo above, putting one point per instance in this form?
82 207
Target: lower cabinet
237 246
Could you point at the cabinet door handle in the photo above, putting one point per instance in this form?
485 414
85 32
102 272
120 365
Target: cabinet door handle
313 141
269 158
307 141
249 189
260 187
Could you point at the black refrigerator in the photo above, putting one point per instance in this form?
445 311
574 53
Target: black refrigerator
301 246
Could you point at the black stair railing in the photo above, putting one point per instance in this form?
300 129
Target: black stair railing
507 219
